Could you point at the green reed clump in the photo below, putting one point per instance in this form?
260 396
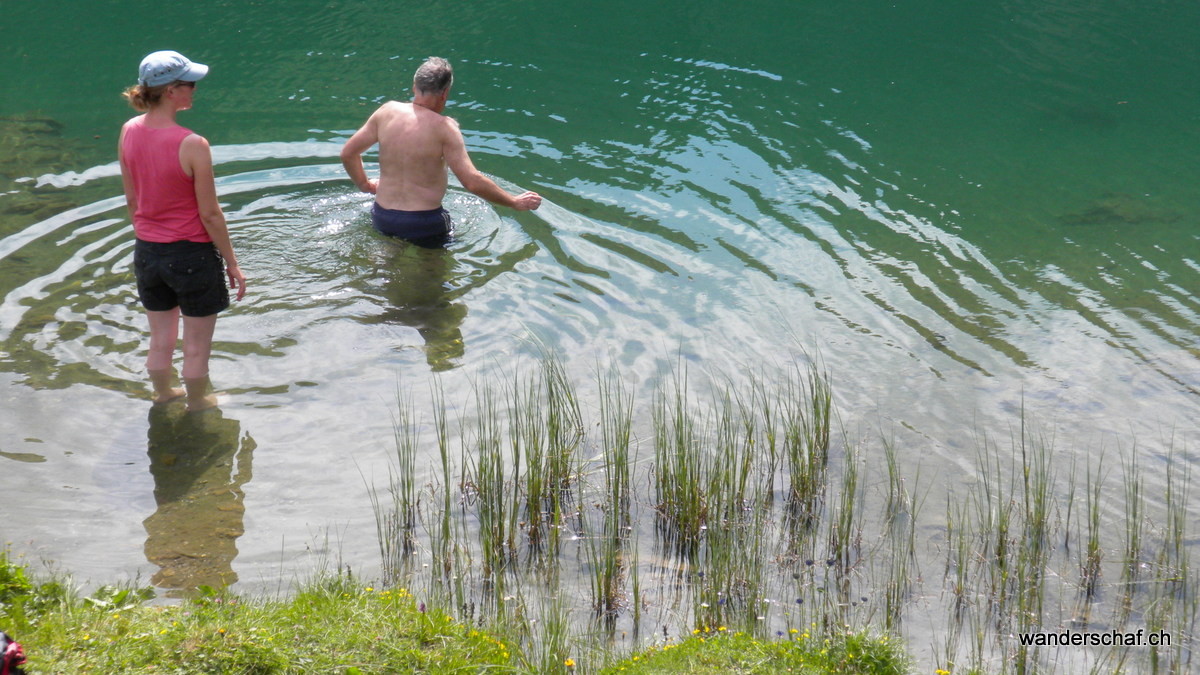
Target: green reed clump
544 541
396 523
901 511
1092 553
449 554
495 494
845 530
807 409
609 543
682 465
730 586
545 432
1132 553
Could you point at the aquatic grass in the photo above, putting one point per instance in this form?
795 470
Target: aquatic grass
608 545
897 502
1132 554
545 424
727 553
681 467
488 491
807 409
731 591
766 406
900 516
1092 552
959 559
845 531
396 524
450 556
1174 602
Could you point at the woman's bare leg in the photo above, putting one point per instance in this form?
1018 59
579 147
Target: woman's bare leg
164 332
197 347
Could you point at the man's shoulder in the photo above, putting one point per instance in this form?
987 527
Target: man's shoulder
393 108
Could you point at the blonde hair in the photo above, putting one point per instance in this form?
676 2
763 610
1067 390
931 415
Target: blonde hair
142 98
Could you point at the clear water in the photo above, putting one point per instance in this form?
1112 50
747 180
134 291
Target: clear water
966 211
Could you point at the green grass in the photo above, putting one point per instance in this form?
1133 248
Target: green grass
721 652
336 624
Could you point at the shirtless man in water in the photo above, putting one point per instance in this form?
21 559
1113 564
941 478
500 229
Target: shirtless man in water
416 144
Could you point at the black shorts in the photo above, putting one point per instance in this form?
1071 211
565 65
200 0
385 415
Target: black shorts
431 228
189 275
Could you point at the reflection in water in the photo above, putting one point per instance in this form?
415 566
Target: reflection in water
199 462
414 285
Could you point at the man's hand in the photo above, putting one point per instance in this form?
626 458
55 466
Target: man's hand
372 186
527 201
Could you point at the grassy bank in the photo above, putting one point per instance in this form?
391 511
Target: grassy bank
338 625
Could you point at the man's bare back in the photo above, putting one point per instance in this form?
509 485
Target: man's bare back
412 169
416 145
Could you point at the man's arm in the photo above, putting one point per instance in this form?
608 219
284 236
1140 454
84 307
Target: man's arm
352 153
454 149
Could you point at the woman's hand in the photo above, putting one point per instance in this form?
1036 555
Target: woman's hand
237 280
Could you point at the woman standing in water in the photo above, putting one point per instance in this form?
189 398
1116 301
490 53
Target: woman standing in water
183 243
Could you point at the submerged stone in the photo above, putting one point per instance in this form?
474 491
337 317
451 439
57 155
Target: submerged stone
31 146
1117 209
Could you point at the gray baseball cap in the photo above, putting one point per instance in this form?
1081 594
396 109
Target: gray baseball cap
166 67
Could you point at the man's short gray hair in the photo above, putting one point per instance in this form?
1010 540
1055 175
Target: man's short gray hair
434 76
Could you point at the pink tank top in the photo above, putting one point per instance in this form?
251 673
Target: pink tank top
166 196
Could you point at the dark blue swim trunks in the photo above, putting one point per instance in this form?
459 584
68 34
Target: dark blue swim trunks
425 228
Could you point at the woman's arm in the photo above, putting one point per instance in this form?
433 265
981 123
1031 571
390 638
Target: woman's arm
126 179
196 158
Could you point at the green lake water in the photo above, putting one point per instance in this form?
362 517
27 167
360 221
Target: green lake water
967 210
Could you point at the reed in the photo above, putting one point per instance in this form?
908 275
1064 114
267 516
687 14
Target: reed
1092 552
807 409
1132 553
900 516
681 466
845 530
609 544
396 523
524 531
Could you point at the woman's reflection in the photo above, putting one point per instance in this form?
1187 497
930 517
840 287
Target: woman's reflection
200 462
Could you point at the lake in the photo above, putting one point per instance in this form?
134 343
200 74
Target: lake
971 214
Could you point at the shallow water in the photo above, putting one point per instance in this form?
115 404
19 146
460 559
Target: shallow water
966 212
